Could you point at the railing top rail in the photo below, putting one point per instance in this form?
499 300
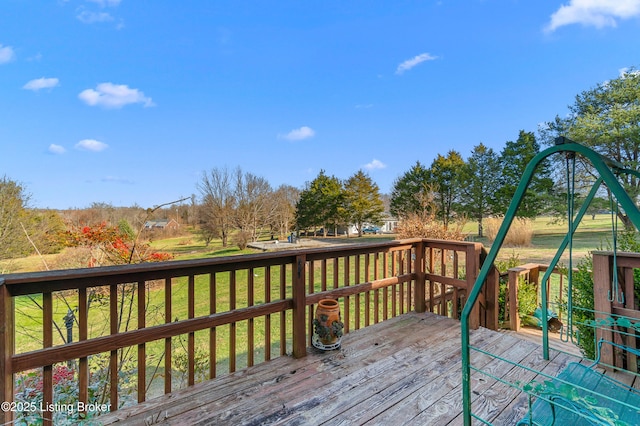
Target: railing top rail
37 282
617 254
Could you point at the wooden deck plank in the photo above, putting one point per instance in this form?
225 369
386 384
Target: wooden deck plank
440 401
491 401
401 384
398 371
243 384
334 372
518 408
406 370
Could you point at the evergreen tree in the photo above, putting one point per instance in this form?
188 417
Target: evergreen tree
362 202
408 191
320 203
480 175
513 160
445 184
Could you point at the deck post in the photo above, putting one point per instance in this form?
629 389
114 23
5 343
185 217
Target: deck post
514 317
472 268
419 297
6 351
601 304
299 308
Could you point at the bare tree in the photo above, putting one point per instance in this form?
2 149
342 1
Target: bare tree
254 209
284 202
218 204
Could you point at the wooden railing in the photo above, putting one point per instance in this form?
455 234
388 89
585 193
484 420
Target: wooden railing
533 273
617 310
170 324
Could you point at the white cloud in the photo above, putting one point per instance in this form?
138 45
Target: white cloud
6 54
303 132
56 149
375 165
597 13
410 63
41 83
364 106
91 145
111 95
88 17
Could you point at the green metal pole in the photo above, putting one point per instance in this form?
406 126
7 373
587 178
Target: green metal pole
563 245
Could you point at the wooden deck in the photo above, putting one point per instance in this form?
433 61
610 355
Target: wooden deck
406 370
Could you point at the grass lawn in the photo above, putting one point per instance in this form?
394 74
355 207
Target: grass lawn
592 234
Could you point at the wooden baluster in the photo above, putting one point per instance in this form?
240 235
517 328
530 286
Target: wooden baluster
401 260
267 318
394 289
7 349
310 308
347 270
283 315
168 314
142 358
191 342
323 274
213 343
299 303
432 289
385 291
83 365
250 325
456 291
47 373
367 295
232 326
376 292
113 356
357 281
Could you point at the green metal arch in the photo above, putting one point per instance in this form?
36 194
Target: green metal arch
607 169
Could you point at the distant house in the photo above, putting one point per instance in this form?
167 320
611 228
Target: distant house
162 224
388 226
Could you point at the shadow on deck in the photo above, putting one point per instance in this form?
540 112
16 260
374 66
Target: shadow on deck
406 370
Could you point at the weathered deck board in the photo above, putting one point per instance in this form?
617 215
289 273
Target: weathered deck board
406 370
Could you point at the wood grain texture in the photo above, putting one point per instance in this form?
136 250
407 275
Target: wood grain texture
405 370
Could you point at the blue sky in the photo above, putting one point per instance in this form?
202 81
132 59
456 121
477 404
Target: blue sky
129 102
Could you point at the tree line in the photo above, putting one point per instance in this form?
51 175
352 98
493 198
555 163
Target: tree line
477 188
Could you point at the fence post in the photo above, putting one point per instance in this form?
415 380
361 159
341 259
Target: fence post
419 297
299 308
472 260
491 299
514 316
601 304
6 351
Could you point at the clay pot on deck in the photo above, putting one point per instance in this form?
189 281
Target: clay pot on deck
327 326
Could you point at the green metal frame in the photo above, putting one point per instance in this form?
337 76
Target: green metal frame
607 169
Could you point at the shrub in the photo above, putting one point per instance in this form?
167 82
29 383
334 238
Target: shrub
519 235
29 393
241 239
415 226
